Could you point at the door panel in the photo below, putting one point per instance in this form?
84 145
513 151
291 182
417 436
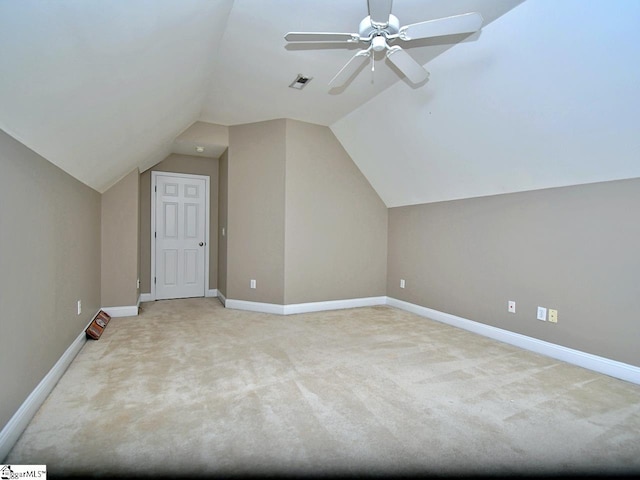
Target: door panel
170 267
191 220
170 189
170 224
190 266
180 237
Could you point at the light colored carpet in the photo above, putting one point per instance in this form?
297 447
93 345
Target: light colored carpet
189 387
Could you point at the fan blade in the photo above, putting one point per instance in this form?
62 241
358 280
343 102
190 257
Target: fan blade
321 37
350 68
465 23
407 65
379 11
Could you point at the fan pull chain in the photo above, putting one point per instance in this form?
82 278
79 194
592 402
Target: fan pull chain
373 67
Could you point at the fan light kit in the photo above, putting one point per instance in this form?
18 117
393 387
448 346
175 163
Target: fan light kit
380 30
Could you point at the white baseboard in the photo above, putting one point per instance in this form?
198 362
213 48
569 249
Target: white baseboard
222 298
130 311
303 307
613 368
146 297
333 305
14 427
254 306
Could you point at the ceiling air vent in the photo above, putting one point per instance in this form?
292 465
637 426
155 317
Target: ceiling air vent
300 82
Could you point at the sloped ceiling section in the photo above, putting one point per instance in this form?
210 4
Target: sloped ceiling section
100 87
548 96
202 140
256 65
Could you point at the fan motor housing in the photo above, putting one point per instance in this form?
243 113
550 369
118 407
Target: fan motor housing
366 28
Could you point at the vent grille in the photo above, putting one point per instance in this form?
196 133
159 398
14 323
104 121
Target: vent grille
300 82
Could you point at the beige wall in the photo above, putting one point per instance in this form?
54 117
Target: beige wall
50 258
255 230
574 249
223 194
335 224
120 242
178 164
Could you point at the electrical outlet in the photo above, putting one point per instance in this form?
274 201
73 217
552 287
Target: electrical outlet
79 307
542 314
511 306
553 315
253 283
402 283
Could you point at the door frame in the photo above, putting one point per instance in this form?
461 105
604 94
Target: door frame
207 221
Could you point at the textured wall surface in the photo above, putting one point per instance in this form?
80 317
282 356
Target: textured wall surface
255 247
49 259
335 225
573 249
120 245
223 195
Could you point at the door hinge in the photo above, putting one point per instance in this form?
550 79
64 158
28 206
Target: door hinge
155 234
155 188
154 280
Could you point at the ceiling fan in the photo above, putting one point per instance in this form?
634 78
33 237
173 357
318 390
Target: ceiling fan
380 29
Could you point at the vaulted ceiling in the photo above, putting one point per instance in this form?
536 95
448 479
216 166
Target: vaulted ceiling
545 95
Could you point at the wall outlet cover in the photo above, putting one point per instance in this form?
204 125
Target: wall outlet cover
542 314
511 306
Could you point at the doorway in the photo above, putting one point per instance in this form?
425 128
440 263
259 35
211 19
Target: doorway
179 235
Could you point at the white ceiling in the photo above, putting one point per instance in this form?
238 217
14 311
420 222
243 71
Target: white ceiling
548 96
255 64
544 96
99 87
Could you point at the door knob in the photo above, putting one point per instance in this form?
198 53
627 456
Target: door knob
201 244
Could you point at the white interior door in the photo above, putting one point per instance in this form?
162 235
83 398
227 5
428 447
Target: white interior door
180 239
